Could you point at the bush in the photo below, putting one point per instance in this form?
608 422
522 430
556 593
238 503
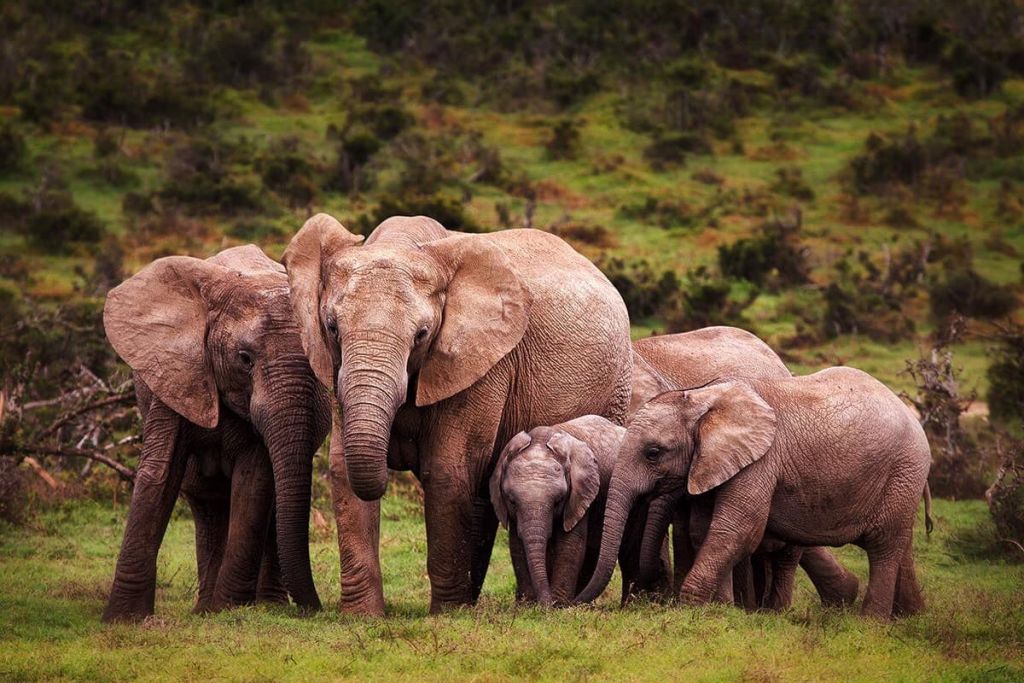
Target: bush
286 170
775 256
967 293
645 292
885 162
13 151
587 233
707 299
664 213
56 228
790 182
198 177
1006 501
670 150
564 142
448 212
1006 378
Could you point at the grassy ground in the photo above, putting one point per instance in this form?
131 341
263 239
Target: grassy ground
54 576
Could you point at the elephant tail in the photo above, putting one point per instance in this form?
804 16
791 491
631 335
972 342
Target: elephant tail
929 523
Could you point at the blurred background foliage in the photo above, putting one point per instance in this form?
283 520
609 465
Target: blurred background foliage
844 178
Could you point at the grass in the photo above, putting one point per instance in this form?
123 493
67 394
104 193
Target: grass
54 576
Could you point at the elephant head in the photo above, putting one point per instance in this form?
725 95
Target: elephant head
680 442
383 320
218 334
543 478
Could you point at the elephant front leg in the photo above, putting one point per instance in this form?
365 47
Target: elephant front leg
358 523
210 514
449 508
252 491
270 586
524 587
570 548
784 564
161 470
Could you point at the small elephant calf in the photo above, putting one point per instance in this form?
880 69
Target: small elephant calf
827 459
549 488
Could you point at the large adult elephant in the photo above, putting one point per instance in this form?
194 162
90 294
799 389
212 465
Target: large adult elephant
232 416
438 352
694 359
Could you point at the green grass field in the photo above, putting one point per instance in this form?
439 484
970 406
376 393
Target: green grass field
56 572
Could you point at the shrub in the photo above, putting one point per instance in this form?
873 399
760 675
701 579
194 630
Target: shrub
885 162
644 291
198 177
587 233
286 169
257 230
1006 378
1006 501
356 148
967 293
664 213
13 151
564 142
56 228
975 73
707 299
448 212
671 150
790 182
775 255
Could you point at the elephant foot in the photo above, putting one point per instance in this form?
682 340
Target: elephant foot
442 606
128 609
365 607
272 597
844 595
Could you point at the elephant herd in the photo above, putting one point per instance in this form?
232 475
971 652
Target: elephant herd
498 368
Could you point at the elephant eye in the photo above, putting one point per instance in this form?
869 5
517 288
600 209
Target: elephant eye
332 327
246 358
421 335
652 451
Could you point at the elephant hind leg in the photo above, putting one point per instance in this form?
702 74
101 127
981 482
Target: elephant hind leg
784 563
211 522
485 528
836 585
884 560
908 598
743 585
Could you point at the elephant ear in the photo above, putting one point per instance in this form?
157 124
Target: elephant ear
486 312
736 429
515 445
317 242
647 383
156 321
584 480
247 260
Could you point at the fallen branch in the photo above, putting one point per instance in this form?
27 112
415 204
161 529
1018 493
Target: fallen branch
43 474
1013 543
125 472
67 417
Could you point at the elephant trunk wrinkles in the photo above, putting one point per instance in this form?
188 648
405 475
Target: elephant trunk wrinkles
620 501
291 438
535 530
659 515
371 388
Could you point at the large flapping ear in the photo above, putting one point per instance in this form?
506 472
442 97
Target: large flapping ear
247 260
515 444
736 429
156 321
319 239
647 383
584 480
486 312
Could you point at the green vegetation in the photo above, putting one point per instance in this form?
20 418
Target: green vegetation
57 571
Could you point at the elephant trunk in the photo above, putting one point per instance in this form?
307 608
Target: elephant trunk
620 501
372 386
293 436
659 516
535 530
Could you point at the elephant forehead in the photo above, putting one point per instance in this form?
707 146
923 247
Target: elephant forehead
384 263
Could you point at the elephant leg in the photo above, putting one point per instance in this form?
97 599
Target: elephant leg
836 585
570 548
211 514
524 587
157 483
252 492
908 599
683 551
736 528
884 559
629 552
761 573
270 586
358 522
743 585
784 564
485 528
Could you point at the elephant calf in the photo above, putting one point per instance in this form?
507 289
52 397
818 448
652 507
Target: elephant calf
232 417
827 459
548 488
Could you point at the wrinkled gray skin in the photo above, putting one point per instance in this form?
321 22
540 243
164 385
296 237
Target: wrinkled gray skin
438 352
827 459
693 359
232 416
548 489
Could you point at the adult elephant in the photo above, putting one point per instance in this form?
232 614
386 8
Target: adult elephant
693 359
232 416
439 352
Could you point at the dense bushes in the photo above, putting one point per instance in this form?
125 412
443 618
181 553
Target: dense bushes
198 177
967 293
1006 378
775 257
13 151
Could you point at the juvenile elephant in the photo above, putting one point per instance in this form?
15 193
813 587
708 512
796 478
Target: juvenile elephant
438 352
827 459
548 489
232 416
694 359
